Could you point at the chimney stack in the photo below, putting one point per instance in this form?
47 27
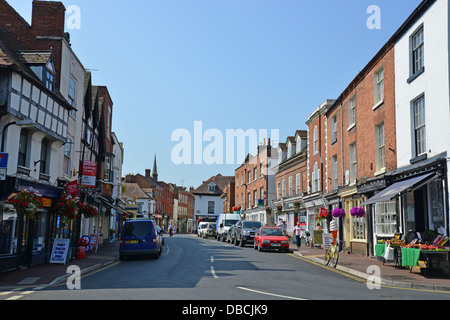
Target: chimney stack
147 173
48 18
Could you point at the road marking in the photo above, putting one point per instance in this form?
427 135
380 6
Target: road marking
212 259
5 293
271 294
14 298
213 272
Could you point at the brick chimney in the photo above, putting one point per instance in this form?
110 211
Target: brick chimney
147 173
48 19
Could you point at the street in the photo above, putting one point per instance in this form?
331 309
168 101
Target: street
195 269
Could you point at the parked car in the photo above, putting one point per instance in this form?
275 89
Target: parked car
201 226
160 233
271 238
140 238
231 234
209 231
245 232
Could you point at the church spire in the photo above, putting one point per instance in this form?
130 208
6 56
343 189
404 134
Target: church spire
155 170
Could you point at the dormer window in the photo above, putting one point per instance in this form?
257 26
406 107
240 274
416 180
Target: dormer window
49 80
212 187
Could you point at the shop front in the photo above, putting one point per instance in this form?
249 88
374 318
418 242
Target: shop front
414 205
293 211
26 236
355 225
313 205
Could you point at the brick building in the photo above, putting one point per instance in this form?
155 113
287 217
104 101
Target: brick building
316 162
291 180
228 197
254 184
361 144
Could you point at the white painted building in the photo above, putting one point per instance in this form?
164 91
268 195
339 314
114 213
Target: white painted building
208 201
422 94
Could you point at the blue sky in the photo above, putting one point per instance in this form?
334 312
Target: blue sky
249 64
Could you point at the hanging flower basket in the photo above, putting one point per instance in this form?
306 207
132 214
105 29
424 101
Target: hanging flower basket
297 206
323 214
358 212
28 200
90 211
269 210
279 209
337 213
68 207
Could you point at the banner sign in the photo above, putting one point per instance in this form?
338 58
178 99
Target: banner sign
89 174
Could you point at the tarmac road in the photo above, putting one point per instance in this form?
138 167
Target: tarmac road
195 269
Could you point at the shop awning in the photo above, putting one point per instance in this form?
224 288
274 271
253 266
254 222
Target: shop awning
397 189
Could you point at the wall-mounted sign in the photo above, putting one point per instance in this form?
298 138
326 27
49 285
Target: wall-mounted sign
89 174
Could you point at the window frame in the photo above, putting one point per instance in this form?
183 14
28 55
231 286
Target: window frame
418 146
352 112
380 148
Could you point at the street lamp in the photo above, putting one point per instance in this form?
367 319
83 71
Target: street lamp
22 123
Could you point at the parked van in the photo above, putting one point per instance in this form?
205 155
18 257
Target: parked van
224 222
139 238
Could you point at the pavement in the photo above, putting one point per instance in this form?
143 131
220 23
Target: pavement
41 276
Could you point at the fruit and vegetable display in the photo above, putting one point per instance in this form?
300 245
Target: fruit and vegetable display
429 240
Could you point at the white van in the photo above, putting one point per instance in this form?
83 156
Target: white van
224 222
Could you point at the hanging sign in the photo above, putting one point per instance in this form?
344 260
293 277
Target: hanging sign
59 252
72 187
89 174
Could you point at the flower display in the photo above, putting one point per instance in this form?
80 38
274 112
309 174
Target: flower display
337 213
90 211
68 207
29 200
268 210
236 209
358 212
321 215
280 208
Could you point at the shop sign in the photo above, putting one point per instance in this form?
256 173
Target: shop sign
3 166
89 174
72 187
59 252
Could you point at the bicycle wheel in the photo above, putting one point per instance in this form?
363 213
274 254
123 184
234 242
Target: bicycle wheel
327 257
334 256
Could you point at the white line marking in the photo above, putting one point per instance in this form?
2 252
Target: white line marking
213 272
5 293
270 294
212 259
14 298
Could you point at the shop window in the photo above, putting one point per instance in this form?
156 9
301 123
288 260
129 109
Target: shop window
437 217
8 230
385 218
358 225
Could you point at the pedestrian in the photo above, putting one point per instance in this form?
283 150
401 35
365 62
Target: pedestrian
298 234
171 230
333 230
319 227
283 227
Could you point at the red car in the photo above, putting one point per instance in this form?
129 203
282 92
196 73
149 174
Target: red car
271 238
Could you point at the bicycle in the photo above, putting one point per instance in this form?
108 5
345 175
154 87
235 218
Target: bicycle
332 255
